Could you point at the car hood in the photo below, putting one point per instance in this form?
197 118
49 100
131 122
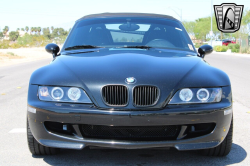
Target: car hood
169 71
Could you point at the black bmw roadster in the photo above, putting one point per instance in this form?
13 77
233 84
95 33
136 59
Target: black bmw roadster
129 80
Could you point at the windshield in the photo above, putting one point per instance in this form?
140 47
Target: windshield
129 32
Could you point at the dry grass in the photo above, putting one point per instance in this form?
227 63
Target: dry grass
9 55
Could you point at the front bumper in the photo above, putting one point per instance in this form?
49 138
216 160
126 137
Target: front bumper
88 114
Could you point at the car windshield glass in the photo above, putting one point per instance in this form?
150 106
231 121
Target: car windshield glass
131 32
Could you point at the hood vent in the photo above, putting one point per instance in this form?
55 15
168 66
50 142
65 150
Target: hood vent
115 95
145 95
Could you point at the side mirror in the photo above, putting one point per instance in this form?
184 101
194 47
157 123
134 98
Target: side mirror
204 50
53 49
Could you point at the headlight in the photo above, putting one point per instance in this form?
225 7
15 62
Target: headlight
74 93
197 95
203 94
186 94
63 94
57 93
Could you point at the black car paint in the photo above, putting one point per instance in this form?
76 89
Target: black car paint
91 69
167 69
88 114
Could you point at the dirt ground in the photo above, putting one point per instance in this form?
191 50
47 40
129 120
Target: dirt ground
14 56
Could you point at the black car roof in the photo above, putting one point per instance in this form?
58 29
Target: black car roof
105 15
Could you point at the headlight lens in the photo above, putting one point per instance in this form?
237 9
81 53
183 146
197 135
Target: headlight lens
63 94
186 94
74 93
203 95
57 93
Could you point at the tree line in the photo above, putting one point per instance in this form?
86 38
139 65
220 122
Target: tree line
49 32
201 27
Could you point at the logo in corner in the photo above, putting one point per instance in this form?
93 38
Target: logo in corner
228 17
130 80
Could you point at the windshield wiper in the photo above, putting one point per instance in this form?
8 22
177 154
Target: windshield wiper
140 47
81 47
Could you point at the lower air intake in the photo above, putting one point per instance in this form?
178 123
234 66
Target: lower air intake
140 133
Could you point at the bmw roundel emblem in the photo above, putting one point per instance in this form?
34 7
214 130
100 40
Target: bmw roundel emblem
130 80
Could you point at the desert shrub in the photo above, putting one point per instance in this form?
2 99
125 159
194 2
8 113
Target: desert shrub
25 40
11 53
4 44
31 40
15 45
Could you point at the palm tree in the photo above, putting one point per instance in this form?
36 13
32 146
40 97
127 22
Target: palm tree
52 28
5 30
39 30
31 30
22 29
27 29
35 29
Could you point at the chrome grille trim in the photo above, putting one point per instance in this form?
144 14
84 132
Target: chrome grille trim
115 95
145 95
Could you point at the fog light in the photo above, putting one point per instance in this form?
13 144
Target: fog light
65 127
228 111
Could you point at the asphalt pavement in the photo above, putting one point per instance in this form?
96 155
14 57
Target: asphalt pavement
13 105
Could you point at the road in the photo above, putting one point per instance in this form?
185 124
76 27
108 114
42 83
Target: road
14 151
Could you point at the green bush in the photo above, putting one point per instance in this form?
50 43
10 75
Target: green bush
236 46
231 46
220 48
235 50
13 35
224 49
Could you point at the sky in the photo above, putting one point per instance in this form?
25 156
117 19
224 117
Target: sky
62 13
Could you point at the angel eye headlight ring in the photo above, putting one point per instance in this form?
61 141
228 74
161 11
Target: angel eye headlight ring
186 94
203 94
57 93
74 93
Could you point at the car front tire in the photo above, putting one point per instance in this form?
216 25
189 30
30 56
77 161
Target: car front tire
36 148
224 148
